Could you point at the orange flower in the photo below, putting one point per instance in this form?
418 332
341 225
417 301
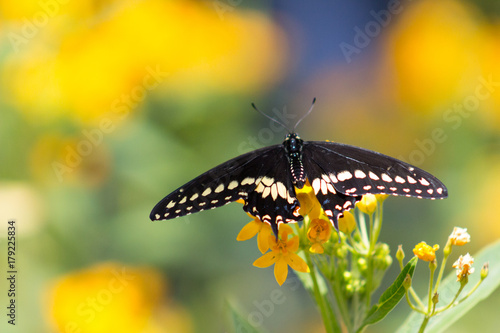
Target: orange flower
425 252
319 232
282 255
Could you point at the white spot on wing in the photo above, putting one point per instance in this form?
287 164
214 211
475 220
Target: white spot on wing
324 190
274 191
266 192
267 181
171 204
183 200
373 176
333 178
219 188
207 192
399 180
359 174
316 185
247 181
281 190
386 178
157 216
344 175
194 197
232 185
411 180
424 182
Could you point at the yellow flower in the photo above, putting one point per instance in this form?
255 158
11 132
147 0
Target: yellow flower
347 223
259 228
309 204
93 73
282 255
111 297
425 252
464 266
368 204
436 37
319 232
459 236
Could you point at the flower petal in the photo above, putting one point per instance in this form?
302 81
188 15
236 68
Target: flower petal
266 260
316 248
249 230
296 262
293 244
280 271
263 238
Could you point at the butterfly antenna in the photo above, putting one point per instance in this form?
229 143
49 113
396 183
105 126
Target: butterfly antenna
269 117
307 113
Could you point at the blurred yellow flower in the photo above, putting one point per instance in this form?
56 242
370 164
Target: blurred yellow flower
85 66
259 228
71 160
319 233
113 298
425 252
282 254
434 51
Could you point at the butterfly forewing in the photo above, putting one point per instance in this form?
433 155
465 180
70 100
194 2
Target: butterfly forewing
261 178
355 171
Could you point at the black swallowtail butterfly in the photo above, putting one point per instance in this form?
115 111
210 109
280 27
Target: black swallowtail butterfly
266 178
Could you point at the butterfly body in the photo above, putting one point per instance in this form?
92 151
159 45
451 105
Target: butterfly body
266 180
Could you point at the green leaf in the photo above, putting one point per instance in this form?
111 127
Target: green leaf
240 324
391 297
449 286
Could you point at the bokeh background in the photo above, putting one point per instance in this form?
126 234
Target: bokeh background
107 106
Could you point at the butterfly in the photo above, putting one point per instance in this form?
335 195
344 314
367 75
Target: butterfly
265 179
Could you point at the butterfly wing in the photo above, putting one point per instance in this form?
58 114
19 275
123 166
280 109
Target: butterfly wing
260 178
340 174
356 171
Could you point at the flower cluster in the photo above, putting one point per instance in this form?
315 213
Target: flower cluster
349 261
463 266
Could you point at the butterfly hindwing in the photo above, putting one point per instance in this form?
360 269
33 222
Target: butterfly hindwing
273 200
356 171
333 202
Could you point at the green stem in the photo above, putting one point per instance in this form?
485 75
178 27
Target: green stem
441 272
424 324
413 307
432 267
331 325
454 299
369 261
